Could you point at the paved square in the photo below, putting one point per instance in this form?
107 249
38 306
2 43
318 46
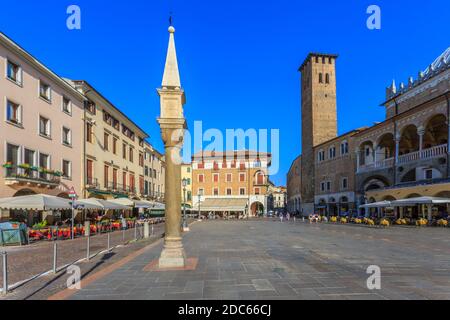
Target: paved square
272 260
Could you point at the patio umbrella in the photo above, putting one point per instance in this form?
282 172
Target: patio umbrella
101 204
134 203
420 200
39 202
382 204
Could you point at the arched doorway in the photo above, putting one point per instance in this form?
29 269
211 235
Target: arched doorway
257 209
344 206
386 147
409 141
24 192
332 207
436 132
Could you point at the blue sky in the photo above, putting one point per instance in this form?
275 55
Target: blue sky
238 59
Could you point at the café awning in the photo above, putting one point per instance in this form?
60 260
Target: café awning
100 204
223 204
135 203
38 202
382 204
420 200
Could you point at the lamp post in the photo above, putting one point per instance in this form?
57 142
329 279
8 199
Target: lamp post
185 225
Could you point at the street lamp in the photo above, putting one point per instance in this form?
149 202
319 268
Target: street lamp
185 225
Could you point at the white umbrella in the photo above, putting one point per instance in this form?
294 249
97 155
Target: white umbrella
420 200
39 202
134 203
101 204
382 204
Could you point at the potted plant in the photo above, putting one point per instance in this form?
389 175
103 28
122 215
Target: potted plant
442 223
8 165
333 219
421 222
58 174
25 166
385 223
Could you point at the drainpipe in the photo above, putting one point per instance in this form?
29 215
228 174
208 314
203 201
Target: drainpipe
396 145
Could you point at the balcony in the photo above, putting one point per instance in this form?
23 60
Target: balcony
31 176
425 154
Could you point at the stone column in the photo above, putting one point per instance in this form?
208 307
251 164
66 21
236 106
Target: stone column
173 254
397 148
358 160
421 133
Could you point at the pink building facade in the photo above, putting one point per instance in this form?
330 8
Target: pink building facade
41 131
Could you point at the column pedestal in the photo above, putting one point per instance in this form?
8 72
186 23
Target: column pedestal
173 255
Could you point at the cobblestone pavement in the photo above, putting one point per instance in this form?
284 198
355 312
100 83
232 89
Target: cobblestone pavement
28 261
272 260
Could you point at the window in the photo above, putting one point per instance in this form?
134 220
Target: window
216 191
141 142
344 148
14 72
66 169
66 106
257 191
91 107
367 151
229 177
188 170
131 154
127 132
429 174
114 145
66 136
242 191
344 183
124 151
106 141
141 159
201 192
44 162
330 60
146 171
260 178
106 176
89 133
322 186
332 153
328 186
13 112
12 154
320 78
132 183
90 172
327 78
115 174
215 177
242 166
201 178
29 157
242 177
44 127
189 195
45 91
321 155
229 192
323 60
124 180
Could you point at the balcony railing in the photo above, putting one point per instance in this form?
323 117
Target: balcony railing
381 164
425 154
17 175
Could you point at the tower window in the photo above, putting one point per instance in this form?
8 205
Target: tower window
330 60
327 78
323 60
317 59
320 78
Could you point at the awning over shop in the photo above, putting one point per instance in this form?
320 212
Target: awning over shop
224 204
420 200
38 202
136 203
382 204
100 204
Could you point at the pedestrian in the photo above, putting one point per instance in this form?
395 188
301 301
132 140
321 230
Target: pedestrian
281 217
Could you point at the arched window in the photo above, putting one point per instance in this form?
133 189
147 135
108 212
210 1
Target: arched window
323 60
327 78
320 78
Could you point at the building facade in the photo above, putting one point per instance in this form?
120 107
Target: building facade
405 156
186 175
40 131
58 134
238 175
277 200
113 149
294 186
319 116
154 174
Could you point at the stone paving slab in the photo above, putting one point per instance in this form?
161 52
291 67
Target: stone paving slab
271 260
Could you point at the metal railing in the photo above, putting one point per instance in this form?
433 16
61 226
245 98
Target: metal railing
41 176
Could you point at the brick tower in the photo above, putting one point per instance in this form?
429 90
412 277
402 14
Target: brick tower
319 116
